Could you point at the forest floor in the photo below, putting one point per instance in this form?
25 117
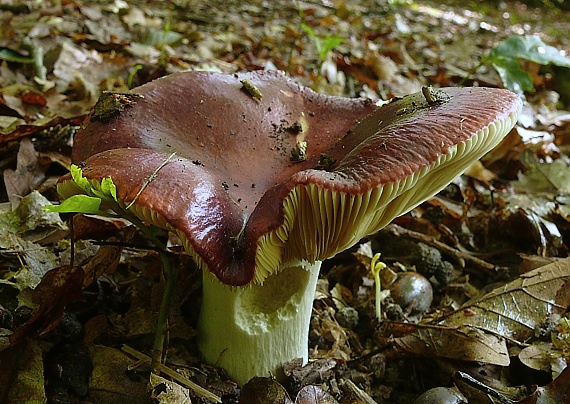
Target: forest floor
494 244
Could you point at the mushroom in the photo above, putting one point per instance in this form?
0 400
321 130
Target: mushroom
271 178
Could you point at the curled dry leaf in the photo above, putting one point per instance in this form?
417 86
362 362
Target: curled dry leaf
27 176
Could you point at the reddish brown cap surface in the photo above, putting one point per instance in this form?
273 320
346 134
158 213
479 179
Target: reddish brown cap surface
235 194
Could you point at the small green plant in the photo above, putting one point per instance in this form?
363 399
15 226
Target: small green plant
101 199
505 59
133 74
325 44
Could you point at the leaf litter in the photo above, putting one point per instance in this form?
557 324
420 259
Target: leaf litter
482 243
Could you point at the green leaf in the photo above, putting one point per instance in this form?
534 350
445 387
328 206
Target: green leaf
330 42
109 188
514 78
323 45
77 204
79 179
505 58
529 47
308 30
11 55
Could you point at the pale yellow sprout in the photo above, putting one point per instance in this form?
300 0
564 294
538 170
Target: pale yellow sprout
375 267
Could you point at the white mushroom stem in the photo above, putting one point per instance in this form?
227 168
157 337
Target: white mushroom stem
253 331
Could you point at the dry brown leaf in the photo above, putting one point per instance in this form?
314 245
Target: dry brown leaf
462 343
110 381
58 288
543 356
165 391
27 176
516 309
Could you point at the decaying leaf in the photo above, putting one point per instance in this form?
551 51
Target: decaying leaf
543 356
58 288
110 381
462 343
20 232
106 259
28 386
516 309
314 395
27 176
551 177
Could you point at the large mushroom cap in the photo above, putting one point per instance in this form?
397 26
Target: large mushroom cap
267 171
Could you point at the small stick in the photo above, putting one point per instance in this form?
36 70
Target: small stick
363 397
458 255
149 180
471 381
202 392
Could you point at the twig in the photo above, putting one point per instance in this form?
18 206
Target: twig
458 255
471 381
202 392
348 386
149 180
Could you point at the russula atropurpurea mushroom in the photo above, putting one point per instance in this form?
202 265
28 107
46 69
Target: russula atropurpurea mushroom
269 179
